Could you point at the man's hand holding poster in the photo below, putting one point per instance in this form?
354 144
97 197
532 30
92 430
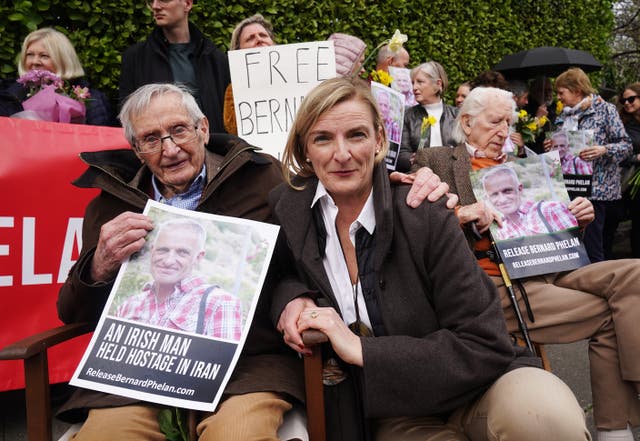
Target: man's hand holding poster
577 172
538 233
180 310
269 83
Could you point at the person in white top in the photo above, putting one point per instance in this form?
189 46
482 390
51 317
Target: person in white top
430 122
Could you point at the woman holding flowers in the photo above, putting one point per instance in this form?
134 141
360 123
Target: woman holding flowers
430 122
583 109
52 84
630 115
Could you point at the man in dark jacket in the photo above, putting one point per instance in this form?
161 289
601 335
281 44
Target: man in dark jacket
169 163
177 52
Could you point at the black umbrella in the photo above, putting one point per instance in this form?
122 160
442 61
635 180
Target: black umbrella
546 60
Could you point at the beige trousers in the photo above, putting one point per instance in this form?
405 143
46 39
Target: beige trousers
254 416
526 404
601 303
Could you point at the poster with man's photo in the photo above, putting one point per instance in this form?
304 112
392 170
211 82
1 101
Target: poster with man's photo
401 82
539 234
180 309
577 172
391 105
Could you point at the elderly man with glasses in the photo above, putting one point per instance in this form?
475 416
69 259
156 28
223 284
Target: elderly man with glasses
169 163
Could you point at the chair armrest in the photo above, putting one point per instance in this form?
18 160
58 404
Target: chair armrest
313 337
34 344
314 388
33 352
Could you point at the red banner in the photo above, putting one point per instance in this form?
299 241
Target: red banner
40 230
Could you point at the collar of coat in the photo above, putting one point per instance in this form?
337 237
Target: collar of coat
292 209
120 172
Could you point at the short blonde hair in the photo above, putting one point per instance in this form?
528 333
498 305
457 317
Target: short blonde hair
576 81
320 100
62 53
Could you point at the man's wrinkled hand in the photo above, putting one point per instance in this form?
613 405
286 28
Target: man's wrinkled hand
425 184
480 214
119 239
582 209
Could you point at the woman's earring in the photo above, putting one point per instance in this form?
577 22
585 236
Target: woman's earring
308 160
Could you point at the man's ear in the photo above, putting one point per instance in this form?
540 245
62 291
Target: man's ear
465 122
203 128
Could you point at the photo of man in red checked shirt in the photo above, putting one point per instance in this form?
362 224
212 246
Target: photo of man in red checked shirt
177 298
522 217
571 164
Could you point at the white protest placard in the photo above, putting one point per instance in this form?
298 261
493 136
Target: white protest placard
179 312
269 83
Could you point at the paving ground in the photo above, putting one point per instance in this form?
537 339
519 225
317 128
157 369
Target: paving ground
569 362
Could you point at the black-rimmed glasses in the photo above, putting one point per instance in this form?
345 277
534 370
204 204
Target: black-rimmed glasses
629 99
178 134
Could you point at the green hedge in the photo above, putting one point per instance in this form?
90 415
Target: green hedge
465 42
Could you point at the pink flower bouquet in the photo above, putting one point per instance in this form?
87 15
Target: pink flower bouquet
50 100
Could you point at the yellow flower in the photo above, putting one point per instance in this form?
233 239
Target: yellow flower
382 77
559 107
522 114
532 126
427 122
397 40
543 120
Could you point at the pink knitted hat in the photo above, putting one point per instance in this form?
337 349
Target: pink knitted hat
349 50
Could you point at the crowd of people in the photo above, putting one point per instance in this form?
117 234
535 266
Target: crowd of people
399 277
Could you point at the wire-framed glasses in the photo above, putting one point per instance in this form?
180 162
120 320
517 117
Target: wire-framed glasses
178 134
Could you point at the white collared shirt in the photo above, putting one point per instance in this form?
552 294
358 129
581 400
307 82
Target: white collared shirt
334 262
436 110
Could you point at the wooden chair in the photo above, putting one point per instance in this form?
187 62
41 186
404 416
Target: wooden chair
33 353
314 388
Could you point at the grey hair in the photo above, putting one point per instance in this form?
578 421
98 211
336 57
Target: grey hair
500 169
139 101
384 53
187 224
433 70
478 100
254 19
518 87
